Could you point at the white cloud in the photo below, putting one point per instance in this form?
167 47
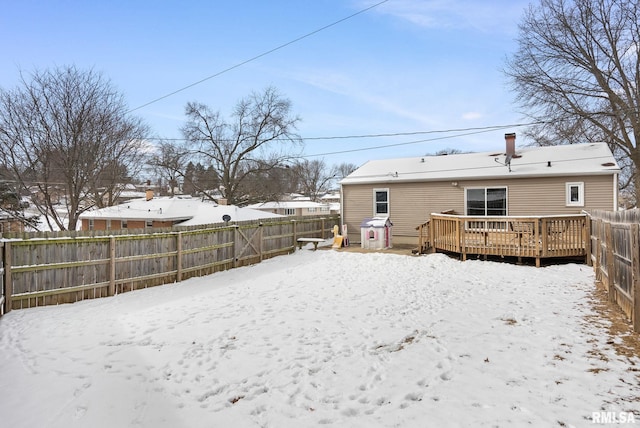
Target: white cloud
484 16
472 115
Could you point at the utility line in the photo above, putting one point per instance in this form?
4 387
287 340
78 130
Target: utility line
391 134
482 131
233 67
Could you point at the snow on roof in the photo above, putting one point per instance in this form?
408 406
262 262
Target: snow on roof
286 204
333 195
564 160
190 211
376 222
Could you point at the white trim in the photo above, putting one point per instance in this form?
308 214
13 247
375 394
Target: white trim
506 196
580 201
375 202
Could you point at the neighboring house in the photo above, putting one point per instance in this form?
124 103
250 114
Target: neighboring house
293 208
8 223
151 212
551 180
333 199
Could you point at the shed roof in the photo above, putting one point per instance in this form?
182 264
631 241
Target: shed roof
550 161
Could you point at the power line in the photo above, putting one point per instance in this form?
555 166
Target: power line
362 149
391 134
465 132
233 67
401 134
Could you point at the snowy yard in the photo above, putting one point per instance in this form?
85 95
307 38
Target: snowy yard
324 338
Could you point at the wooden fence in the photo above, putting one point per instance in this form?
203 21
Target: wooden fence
615 255
64 267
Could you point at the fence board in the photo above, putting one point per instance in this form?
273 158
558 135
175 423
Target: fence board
61 267
614 254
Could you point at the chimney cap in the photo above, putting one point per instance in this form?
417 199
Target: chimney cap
510 135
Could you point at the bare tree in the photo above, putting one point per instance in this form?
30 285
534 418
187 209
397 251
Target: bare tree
577 74
65 135
170 162
345 169
314 178
259 138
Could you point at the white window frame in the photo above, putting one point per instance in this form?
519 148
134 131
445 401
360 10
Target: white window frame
375 203
149 223
506 196
91 224
124 224
568 191
108 224
289 211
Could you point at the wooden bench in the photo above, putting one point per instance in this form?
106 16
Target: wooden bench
314 241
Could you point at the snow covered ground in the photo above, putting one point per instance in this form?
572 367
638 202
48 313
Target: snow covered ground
324 338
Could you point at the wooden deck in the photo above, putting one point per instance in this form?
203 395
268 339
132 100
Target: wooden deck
522 237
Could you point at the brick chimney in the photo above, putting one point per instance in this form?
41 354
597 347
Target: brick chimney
149 191
510 140
222 201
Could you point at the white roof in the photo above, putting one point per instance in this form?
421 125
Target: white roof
376 222
334 195
190 211
286 204
564 160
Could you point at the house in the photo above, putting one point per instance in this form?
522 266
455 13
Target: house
151 212
9 223
333 199
565 179
295 208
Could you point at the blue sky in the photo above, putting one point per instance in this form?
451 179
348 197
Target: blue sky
404 66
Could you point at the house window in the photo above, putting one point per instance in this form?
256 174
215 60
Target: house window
123 224
149 223
312 209
91 225
486 201
289 211
380 202
108 224
575 194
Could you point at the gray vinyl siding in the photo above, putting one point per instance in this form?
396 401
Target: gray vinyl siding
410 204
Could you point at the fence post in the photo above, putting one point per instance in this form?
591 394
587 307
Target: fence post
598 251
635 277
8 282
112 266
235 246
586 235
261 246
610 265
295 234
179 257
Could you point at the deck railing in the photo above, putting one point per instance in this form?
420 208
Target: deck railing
535 237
